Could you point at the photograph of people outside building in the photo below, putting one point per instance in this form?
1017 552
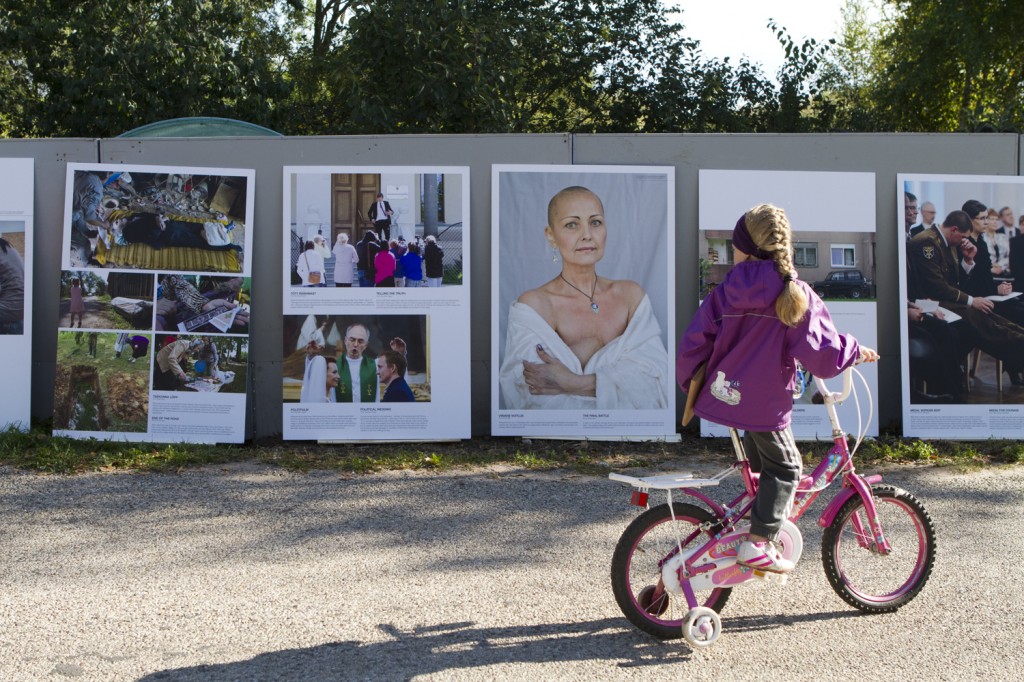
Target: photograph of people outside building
376 274
375 228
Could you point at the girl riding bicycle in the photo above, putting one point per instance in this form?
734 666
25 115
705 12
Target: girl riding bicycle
748 334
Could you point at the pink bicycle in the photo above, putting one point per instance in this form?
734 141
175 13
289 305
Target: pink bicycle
675 565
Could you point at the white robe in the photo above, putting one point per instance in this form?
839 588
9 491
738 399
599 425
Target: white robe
631 370
314 382
310 332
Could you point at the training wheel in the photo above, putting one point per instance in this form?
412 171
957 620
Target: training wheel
648 603
702 627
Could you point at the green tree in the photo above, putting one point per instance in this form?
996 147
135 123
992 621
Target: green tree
844 99
99 68
947 65
323 22
469 66
319 29
791 109
447 66
73 68
93 284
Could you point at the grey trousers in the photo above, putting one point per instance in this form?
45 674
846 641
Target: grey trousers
775 456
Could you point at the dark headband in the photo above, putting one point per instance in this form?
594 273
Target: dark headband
742 240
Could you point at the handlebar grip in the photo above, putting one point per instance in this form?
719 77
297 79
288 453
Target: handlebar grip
841 395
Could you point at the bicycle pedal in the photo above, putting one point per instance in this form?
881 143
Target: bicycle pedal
772 578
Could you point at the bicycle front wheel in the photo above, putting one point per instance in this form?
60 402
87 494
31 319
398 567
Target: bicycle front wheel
636 575
863 577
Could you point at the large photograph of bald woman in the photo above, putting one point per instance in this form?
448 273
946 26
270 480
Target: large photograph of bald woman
583 292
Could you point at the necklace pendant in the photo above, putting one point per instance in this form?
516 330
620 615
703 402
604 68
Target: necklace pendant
596 308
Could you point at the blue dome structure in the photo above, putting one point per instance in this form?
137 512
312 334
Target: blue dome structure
200 126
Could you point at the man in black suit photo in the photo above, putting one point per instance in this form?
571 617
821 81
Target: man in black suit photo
380 213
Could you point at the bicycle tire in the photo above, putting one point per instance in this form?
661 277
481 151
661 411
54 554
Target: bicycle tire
861 576
634 570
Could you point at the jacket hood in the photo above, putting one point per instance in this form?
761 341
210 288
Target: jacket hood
752 285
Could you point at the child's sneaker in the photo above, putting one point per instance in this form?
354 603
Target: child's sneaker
763 556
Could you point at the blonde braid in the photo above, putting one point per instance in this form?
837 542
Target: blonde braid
769 228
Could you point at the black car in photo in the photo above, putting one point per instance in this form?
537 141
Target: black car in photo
844 284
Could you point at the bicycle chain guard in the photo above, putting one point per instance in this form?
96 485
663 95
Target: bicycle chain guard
717 566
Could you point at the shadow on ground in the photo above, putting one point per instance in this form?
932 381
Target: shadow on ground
455 646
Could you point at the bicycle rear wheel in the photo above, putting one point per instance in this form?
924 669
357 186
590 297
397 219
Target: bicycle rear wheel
860 575
636 576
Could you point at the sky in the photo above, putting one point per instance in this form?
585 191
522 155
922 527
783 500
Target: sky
732 28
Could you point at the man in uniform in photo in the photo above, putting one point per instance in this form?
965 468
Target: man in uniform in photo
942 260
358 373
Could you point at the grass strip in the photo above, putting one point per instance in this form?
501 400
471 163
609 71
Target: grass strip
39 451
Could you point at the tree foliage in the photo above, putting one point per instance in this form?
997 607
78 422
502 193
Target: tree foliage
318 27
844 98
948 65
99 68
535 65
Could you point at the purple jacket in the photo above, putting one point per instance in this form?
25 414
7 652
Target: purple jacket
751 355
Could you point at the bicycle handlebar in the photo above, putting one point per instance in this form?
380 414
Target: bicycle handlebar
842 395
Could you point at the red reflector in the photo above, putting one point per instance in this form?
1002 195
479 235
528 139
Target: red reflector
638 498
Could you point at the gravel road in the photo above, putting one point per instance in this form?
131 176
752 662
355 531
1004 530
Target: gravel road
248 572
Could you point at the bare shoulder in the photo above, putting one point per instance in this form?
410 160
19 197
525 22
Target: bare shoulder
538 299
628 291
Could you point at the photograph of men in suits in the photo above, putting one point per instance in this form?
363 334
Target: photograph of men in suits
941 264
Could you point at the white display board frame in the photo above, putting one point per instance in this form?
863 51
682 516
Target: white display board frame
217 206
432 321
639 209
822 202
16 218
999 418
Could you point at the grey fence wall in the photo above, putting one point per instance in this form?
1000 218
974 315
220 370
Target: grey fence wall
883 154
